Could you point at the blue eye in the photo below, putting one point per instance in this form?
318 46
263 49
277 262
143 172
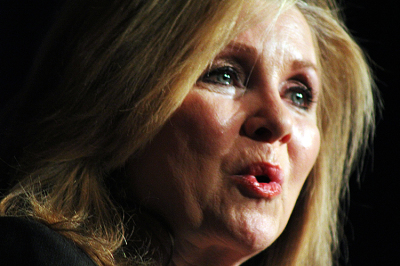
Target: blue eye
226 76
299 95
299 98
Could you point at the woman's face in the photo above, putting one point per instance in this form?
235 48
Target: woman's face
226 170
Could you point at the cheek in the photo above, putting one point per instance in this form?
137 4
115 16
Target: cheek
304 151
207 123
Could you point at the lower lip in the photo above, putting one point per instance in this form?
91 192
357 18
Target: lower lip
250 187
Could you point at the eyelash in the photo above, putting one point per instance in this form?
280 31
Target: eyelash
228 72
302 91
237 80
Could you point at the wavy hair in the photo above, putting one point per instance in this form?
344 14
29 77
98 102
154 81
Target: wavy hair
113 72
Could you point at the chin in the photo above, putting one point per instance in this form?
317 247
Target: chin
257 241
253 235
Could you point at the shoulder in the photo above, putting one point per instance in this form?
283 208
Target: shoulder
27 242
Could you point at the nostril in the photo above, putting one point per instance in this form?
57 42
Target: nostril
264 130
262 133
286 138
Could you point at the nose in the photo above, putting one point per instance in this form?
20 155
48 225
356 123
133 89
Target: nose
269 121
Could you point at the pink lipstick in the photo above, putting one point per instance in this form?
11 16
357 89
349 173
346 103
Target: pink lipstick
260 180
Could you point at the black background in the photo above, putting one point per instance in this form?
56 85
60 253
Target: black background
373 229
373 226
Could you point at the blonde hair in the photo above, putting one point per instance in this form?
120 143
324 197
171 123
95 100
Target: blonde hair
346 120
125 69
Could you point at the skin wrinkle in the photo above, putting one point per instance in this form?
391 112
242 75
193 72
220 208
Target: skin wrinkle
209 139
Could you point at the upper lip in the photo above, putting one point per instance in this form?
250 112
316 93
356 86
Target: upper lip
272 171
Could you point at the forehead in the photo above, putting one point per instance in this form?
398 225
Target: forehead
286 38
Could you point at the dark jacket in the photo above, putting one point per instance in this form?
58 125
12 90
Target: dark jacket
27 242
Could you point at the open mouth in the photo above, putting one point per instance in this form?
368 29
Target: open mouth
263 179
260 180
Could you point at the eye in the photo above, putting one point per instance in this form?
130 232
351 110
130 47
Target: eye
299 94
225 75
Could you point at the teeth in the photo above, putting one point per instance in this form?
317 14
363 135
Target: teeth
263 179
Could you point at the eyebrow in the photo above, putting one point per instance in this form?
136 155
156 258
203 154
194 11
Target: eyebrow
252 52
242 47
300 64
